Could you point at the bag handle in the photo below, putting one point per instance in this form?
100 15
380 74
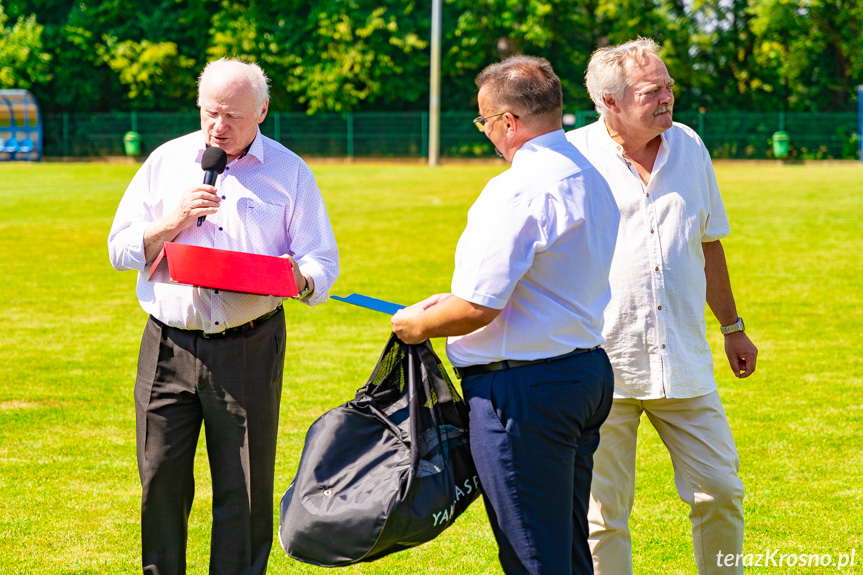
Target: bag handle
429 362
387 361
424 372
414 404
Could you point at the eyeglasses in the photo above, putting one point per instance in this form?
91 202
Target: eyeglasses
479 121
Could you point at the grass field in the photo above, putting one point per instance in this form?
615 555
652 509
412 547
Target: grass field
70 328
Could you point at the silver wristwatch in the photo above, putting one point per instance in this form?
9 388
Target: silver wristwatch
734 327
306 290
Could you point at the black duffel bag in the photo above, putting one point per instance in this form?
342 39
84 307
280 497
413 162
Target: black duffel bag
386 471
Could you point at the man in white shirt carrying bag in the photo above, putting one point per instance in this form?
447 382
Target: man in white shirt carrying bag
524 322
668 256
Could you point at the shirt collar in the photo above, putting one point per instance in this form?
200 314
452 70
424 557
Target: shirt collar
611 146
256 149
541 142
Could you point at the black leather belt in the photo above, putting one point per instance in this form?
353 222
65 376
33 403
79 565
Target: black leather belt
248 326
463 372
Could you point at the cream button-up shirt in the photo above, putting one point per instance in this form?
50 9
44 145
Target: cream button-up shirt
655 322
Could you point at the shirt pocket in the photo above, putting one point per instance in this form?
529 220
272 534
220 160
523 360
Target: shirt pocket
263 226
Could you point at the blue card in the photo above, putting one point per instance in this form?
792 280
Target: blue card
375 304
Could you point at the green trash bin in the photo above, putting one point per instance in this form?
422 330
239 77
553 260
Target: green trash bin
780 145
132 143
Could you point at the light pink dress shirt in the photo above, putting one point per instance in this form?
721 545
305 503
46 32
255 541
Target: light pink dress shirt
270 205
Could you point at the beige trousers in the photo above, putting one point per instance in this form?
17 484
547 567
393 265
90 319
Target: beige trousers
696 433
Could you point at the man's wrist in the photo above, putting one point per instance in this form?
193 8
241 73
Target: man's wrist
307 288
736 327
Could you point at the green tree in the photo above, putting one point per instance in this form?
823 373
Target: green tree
356 55
332 55
565 32
154 49
259 32
81 83
121 55
365 52
151 72
23 61
810 52
714 63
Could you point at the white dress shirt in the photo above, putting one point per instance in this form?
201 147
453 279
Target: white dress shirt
270 205
655 325
538 246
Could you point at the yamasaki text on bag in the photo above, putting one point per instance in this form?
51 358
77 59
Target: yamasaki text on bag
386 471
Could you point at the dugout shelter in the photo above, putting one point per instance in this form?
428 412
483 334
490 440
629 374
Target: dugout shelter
20 126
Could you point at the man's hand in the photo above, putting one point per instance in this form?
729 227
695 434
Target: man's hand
407 324
301 280
741 353
195 202
441 315
201 200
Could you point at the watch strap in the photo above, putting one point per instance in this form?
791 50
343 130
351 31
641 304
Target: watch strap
306 290
733 328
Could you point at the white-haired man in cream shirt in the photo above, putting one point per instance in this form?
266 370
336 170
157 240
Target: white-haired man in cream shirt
667 259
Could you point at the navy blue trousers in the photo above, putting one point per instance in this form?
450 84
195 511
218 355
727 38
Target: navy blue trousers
533 432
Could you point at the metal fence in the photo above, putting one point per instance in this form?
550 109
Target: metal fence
405 134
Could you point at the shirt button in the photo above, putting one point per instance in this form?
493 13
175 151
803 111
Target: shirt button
216 291
645 193
651 230
656 268
663 346
217 323
659 307
223 197
221 228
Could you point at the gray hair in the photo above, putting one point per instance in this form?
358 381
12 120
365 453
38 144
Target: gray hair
526 85
605 72
253 73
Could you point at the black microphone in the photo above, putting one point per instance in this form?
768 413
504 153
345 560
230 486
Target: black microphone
213 163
